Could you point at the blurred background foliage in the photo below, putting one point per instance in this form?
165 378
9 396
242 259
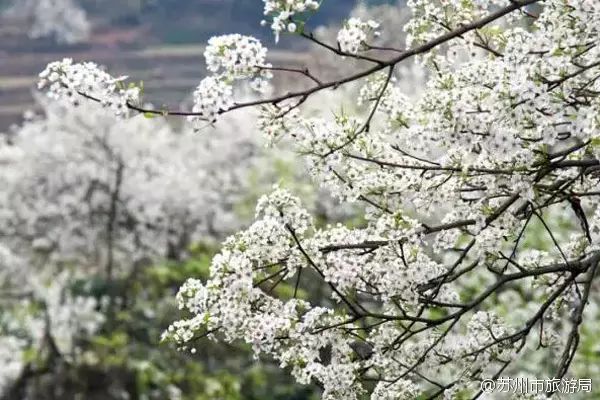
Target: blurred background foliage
125 358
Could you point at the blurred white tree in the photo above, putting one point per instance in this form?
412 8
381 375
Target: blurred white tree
85 193
64 20
84 186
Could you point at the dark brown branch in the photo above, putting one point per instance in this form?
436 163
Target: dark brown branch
381 64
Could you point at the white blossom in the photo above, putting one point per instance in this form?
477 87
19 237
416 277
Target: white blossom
65 20
68 81
212 96
353 36
280 11
238 57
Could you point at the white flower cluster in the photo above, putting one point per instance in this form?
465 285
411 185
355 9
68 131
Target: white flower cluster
65 20
393 101
281 205
11 349
60 172
36 309
230 58
232 304
69 317
353 36
433 18
484 327
282 13
275 122
238 57
212 96
402 389
459 184
69 81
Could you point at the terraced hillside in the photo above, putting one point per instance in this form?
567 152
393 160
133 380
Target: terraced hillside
170 73
158 42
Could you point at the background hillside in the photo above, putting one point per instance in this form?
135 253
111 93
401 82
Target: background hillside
158 41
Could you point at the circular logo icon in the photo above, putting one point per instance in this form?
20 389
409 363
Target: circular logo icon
488 386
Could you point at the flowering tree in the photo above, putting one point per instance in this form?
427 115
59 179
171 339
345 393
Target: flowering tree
41 322
63 20
88 202
480 191
102 218
147 191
